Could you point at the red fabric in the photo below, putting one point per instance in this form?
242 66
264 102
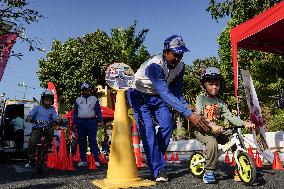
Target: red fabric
107 112
264 32
6 43
51 87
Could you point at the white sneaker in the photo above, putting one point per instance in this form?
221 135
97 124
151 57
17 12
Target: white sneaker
82 164
97 164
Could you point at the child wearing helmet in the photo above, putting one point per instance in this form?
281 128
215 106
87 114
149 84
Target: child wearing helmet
43 112
215 110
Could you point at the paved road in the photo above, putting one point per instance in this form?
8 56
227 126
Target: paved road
13 175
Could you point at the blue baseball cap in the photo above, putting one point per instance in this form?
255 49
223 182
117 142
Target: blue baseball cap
85 86
176 44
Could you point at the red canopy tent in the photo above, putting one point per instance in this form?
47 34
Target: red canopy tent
265 32
107 112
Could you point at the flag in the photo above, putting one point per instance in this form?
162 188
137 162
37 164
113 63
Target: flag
51 87
256 117
6 43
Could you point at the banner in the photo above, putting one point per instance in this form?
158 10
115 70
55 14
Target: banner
6 43
256 117
51 87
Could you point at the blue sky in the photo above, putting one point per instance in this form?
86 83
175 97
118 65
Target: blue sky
74 18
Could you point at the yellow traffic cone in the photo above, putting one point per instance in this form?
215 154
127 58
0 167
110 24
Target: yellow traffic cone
122 170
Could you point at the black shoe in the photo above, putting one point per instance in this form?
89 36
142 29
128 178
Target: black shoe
162 176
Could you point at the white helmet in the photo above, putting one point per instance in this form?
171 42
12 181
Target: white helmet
211 73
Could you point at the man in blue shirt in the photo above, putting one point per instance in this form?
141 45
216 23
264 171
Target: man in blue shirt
43 112
87 112
158 85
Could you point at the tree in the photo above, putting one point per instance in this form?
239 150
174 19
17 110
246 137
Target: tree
86 58
14 16
266 69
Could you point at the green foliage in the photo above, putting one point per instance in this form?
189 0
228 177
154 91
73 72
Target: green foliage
180 134
86 58
14 15
266 69
238 9
276 122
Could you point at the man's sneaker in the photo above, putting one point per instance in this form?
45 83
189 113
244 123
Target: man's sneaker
97 164
162 176
209 177
82 164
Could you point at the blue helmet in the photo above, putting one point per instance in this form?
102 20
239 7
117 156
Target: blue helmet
176 44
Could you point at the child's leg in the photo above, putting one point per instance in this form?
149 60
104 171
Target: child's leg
34 139
211 149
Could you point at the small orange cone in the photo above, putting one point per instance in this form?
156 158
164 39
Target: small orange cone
70 163
104 159
88 157
92 164
49 160
173 157
62 153
166 157
101 157
227 158
258 162
77 154
251 153
277 164
139 161
177 157
233 161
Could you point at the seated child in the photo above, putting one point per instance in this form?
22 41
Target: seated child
213 108
43 112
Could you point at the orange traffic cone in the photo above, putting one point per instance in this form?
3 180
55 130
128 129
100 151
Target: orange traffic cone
62 153
251 153
51 157
258 162
138 160
177 157
77 154
92 164
136 145
88 157
101 157
104 159
49 160
233 161
172 157
277 164
227 158
166 157
70 163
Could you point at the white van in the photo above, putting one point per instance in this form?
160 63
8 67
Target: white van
10 110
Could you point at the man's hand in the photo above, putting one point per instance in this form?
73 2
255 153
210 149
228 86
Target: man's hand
199 121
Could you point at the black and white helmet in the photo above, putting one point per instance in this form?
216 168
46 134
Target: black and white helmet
47 94
211 73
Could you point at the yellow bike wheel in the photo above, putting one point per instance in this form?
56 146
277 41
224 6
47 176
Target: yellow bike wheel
196 165
246 169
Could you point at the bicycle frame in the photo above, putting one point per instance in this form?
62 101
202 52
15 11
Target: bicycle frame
237 140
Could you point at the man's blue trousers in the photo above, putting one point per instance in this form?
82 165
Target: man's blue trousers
150 111
88 127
